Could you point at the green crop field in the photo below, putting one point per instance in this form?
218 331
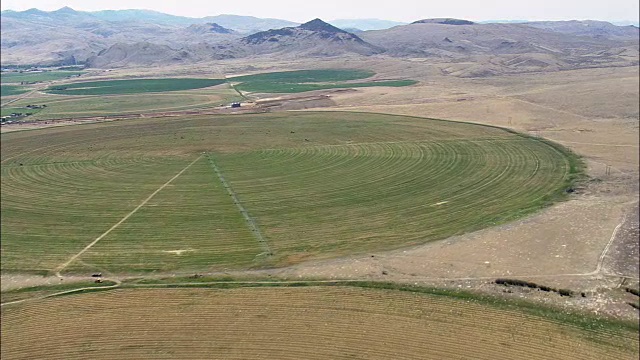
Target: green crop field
10 110
240 191
308 80
9 90
16 77
62 106
133 86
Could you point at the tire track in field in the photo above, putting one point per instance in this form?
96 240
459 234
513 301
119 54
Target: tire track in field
600 265
61 267
600 268
116 284
245 214
599 271
24 95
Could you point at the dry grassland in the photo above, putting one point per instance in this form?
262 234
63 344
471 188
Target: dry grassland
291 323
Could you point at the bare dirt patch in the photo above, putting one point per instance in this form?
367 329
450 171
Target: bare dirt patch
20 281
541 245
178 252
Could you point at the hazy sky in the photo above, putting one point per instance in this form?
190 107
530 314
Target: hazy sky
399 10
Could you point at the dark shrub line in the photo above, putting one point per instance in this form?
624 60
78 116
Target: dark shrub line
632 291
565 292
532 285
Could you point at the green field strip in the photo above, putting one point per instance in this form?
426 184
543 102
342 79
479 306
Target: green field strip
11 90
286 88
5 111
131 86
192 225
64 106
309 80
17 77
306 76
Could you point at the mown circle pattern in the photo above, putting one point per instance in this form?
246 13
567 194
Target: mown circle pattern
315 184
385 194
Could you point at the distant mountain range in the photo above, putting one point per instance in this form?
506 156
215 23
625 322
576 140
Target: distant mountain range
142 37
242 24
315 38
588 28
617 23
364 24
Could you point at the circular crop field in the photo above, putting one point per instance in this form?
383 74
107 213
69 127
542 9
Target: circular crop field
260 190
293 323
132 86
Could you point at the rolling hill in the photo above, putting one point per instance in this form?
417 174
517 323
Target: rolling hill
590 28
314 38
513 47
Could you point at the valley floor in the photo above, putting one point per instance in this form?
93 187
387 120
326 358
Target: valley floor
582 244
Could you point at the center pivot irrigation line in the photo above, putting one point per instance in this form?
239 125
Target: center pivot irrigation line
235 88
245 214
61 267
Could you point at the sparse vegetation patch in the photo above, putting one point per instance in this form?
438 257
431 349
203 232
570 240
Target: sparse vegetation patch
532 285
632 291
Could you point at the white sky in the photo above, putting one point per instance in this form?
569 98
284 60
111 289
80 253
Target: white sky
398 10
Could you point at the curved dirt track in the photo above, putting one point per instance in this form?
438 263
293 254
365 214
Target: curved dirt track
290 323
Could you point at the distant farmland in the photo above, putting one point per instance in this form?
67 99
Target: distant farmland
63 106
9 90
133 86
165 195
136 96
17 77
308 80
